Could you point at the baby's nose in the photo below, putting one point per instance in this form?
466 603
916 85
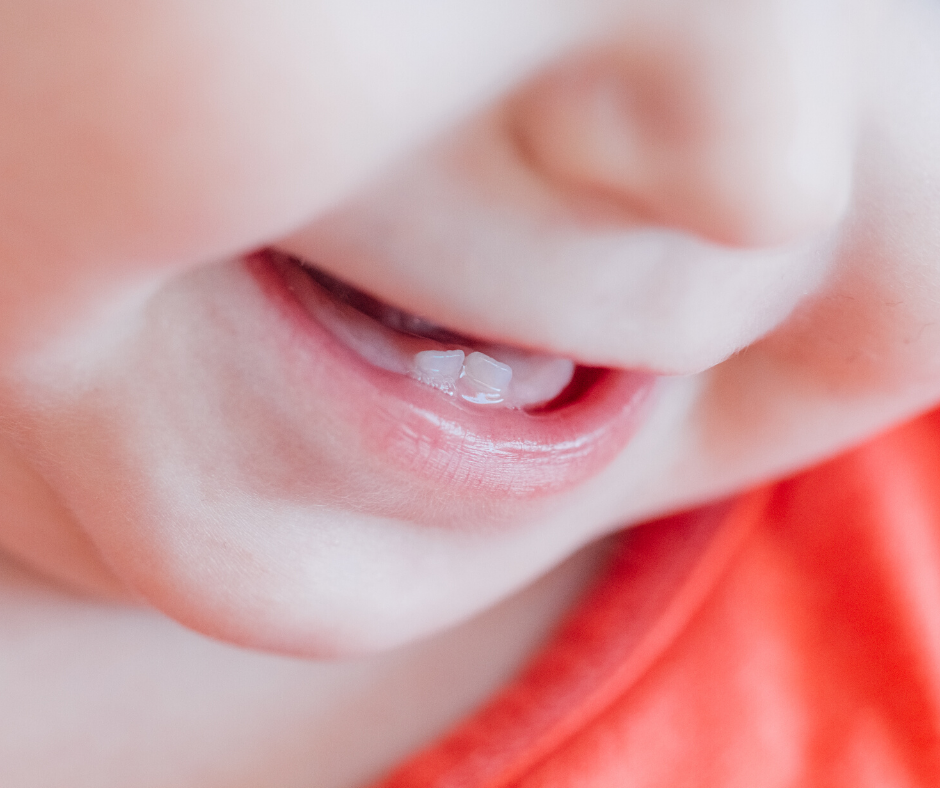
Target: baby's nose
726 119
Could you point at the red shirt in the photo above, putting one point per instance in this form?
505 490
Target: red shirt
790 637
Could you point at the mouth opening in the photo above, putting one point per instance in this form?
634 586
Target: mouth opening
463 368
389 381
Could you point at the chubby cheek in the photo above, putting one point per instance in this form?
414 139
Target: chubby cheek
238 505
873 329
209 533
854 359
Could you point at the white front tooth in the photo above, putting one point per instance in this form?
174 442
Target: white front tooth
439 368
484 379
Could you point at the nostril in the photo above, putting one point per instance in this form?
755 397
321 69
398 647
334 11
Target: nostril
582 129
744 144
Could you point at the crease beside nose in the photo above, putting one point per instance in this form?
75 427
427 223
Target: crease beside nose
745 143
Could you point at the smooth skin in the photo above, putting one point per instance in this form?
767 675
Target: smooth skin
739 195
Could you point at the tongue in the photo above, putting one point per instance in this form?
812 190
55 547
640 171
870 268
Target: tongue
493 375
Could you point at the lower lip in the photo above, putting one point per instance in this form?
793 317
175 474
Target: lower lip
460 449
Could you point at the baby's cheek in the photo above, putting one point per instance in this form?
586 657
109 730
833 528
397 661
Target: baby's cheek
874 329
153 130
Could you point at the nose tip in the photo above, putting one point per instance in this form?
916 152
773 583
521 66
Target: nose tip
743 139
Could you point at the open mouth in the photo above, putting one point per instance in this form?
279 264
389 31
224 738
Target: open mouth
467 369
470 413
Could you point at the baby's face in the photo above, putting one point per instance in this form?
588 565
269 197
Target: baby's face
719 220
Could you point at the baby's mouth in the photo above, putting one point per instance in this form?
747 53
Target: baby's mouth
475 371
425 405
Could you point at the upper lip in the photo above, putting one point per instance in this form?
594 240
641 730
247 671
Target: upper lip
415 322
393 317
643 299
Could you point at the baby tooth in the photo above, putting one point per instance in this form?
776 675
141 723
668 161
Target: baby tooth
439 368
484 379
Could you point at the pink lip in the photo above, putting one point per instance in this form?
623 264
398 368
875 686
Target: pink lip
460 449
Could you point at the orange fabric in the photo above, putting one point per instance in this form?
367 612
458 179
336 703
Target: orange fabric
788 638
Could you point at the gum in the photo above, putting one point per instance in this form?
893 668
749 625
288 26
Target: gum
499 376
